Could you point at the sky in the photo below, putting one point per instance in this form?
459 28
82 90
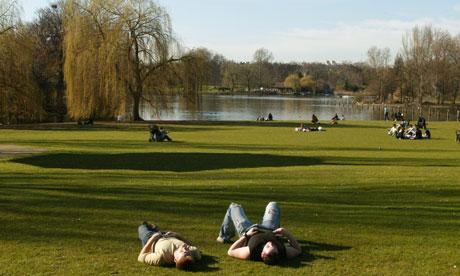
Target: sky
298 30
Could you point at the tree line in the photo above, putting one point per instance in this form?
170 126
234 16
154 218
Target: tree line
97 59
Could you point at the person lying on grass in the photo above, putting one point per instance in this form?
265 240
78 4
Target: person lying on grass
166 248
258 242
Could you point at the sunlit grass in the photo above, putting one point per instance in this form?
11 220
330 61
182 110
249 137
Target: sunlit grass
360 202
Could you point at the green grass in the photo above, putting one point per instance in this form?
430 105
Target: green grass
359 201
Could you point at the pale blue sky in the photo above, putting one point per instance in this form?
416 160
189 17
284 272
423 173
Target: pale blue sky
299 30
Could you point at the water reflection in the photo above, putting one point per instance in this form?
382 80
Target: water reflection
241 107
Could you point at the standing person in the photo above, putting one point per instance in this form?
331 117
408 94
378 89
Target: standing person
421 122
386 114
165 248
270 117
258 242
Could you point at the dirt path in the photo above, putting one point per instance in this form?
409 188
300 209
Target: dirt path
11 150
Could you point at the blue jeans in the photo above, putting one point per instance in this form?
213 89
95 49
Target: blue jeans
145 232
236 221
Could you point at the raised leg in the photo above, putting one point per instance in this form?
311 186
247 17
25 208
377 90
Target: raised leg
235 222
145 232
271 219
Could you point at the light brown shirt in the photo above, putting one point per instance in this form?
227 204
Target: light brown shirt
163 252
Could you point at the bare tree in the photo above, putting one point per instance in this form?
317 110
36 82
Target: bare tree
262 59
9 15
230 76
379 60
47 31
417 47
455 57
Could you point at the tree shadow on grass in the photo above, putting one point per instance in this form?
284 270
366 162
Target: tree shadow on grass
308 256
195 161
176 162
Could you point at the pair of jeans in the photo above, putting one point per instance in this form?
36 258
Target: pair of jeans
145 233
236 221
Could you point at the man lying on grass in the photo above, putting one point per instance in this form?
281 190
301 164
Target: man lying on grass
258 242
166 248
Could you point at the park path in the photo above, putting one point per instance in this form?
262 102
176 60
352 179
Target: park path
11 150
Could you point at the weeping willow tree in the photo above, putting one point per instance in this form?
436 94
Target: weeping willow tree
94 63
115 51
20 97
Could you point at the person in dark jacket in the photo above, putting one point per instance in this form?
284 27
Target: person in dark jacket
158 134
258 242
314 119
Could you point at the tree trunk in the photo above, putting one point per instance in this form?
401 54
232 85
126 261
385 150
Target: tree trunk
136 105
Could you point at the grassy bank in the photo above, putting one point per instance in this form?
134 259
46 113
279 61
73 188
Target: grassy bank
360 202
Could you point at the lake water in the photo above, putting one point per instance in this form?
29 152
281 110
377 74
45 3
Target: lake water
243 107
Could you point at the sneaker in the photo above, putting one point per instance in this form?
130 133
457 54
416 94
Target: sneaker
151 226
222 240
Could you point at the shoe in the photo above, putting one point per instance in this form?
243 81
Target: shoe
151 226
222 240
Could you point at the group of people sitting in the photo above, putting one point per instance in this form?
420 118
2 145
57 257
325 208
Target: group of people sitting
408 131
303 128
405 130
262 118
266 242
334 119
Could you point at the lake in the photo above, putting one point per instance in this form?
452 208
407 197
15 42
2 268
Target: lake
211 107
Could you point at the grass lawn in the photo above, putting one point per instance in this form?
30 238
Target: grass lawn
360 202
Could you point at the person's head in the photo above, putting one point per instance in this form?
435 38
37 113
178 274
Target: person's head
270 254
183 258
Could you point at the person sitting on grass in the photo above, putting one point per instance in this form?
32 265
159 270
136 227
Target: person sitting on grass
166 248
158 134
418 133
392 131
258 242
427 134
410 132
400 132
270 117
314 119
335 119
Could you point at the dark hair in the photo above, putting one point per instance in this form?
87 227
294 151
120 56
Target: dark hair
185 263
272 258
